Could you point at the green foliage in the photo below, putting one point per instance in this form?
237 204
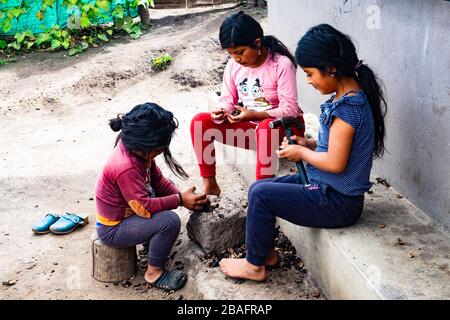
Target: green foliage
127 24
52 39
78 48
3 62
103 37
84 24
161 62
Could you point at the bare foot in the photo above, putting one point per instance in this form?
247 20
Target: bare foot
210 186
153 273
272 259
242 269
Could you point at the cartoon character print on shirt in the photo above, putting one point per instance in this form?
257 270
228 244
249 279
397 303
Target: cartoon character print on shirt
243 87
251 94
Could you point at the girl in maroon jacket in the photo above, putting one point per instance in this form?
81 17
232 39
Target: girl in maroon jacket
134 200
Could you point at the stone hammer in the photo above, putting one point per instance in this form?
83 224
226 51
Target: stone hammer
287 123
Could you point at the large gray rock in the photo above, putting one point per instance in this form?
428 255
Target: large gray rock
220 226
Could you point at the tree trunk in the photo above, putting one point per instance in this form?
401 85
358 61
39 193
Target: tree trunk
144 14
111 264
257 3
261 3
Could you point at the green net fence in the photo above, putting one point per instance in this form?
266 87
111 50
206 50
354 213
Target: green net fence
38 15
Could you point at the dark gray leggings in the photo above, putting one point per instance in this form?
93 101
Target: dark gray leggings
159 232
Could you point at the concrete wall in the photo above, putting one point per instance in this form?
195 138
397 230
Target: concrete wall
407 44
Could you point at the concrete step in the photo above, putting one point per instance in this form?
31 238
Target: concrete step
367 261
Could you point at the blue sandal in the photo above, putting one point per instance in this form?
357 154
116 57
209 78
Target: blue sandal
170 280
43 226
69 222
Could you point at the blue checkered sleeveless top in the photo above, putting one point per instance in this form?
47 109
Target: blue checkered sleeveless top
355 110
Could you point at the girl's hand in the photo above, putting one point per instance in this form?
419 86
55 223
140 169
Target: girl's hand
192 201
290 151
218 114
244 115
299 140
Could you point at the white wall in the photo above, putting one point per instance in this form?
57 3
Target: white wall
407 43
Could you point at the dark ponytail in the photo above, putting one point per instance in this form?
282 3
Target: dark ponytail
276 46
371 86
324 47
116 123
148 127
240 29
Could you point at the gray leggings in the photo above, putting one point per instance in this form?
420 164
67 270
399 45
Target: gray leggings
159 232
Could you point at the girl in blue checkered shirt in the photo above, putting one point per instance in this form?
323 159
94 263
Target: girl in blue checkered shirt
351 135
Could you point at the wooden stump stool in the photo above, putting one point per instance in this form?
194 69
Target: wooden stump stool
111 264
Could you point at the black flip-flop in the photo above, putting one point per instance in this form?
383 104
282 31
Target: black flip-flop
170 280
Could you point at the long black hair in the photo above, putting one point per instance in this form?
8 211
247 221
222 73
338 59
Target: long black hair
240 29
148 127
324 47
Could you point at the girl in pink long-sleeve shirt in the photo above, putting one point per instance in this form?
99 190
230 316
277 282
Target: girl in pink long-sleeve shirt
134 200
259 86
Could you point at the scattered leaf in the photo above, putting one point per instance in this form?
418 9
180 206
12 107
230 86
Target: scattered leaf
103 37
118 12
381 226
15 45
84 21
19 37
42 38
55 44
73 51
9 283
30 44
66 44
29 34
134 36
383 182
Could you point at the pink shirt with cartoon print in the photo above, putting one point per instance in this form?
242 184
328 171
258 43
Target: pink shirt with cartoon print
272 87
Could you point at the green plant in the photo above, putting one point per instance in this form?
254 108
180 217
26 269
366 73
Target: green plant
52 39
161 62
80 47
5 61
88 16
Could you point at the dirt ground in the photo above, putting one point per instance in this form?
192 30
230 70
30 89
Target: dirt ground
55 140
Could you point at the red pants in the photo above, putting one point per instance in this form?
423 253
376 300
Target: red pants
242 135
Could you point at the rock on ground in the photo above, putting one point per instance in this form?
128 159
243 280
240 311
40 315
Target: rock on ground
219 226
